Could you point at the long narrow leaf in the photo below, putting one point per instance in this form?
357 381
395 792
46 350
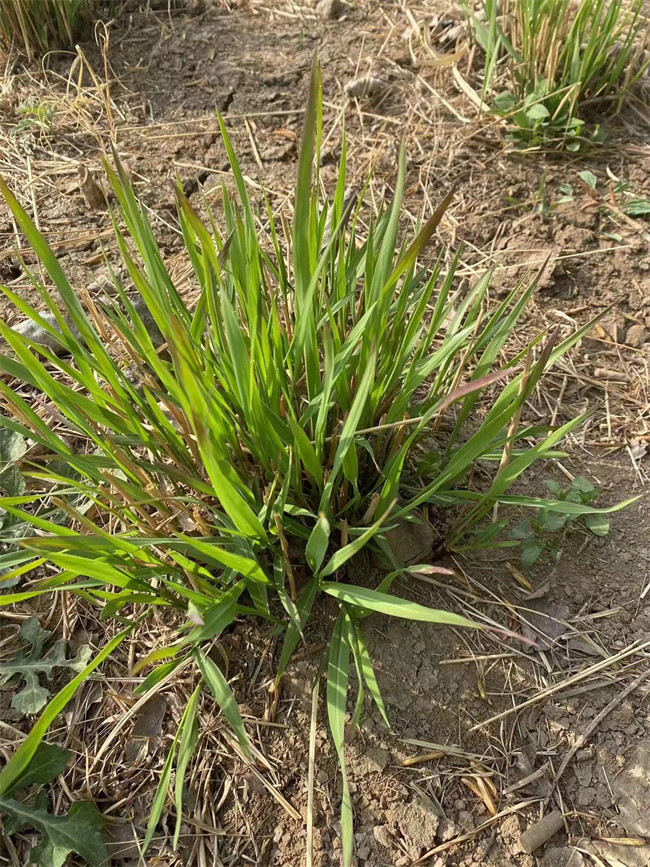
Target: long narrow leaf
224 697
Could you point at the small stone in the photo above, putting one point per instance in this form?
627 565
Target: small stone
121 841
35 332
378 757
102 285
146 729
372 761
91 191
454 33
417 825
40 335
539 832
614 325
564 856
636 336
150 719
446 830
150 324
331 8
545 622
367 85
383 836
586 796
409 542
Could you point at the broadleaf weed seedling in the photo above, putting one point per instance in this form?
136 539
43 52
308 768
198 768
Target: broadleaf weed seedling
544 533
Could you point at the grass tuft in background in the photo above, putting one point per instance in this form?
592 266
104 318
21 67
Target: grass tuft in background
37 26
548 64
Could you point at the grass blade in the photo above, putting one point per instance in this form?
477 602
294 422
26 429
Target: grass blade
224 697
189 736
363 597
337 690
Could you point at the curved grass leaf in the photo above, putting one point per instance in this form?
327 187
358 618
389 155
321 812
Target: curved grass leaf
337 690
224 697
293 634
363 597
189 736
369 673
318 542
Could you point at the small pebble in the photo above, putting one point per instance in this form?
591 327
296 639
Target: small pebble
91 191
331 8
586 796
35 332
636 336
367 85
538 833
150 324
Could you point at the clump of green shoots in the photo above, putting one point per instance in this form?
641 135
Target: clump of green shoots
282 427
542 534
33 117
37 26
549 63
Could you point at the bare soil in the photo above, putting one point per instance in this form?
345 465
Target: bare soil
167 71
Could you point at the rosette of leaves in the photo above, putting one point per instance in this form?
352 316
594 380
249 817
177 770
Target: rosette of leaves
79 830
540 534
30 664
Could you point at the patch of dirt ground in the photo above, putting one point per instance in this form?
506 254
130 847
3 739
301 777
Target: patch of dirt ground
488 732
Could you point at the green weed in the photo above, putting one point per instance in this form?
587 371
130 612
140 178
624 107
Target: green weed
324 386
37 26
33 116
554 60
541 534
23 807
27 666
619 197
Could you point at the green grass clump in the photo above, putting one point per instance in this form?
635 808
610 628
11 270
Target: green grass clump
324 386
558 59
37 26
